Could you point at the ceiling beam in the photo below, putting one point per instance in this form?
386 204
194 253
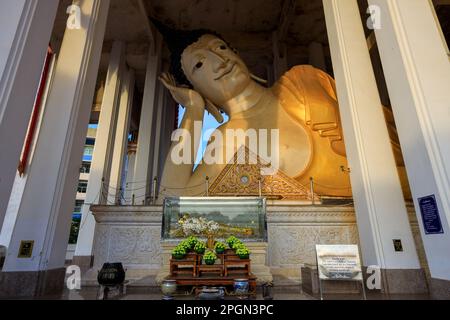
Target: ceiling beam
147 25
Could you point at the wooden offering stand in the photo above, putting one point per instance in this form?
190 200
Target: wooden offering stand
191 271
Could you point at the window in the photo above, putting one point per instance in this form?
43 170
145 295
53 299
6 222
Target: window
78 206
88 152
75 229
82 186
86 167
76 221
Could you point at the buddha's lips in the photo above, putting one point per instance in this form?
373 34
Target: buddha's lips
227 71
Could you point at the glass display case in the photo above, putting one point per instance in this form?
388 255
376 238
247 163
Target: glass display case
244 218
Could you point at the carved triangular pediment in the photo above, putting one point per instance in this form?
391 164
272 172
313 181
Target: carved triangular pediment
242 177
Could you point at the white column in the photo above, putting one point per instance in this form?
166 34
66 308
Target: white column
98 187
144 154
170 110
317 56
160 112
121 139
380 207
417 70
20 181
26 27
46 209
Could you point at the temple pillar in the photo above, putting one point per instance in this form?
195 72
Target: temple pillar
317 56
21 180
26 27
116 194
99 185
380 207
417 70
170 115
157 142
36 266
144 155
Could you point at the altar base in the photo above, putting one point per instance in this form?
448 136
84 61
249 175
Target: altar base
132 236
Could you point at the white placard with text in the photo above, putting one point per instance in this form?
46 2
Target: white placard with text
339 262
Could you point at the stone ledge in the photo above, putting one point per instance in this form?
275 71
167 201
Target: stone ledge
128 214
310 214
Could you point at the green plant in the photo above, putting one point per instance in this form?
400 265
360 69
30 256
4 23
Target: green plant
186 245
192 241
210 257
220 247
238 244
232 240
200 247
243 252
178 252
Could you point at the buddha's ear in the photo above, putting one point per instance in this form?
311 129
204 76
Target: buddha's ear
214 110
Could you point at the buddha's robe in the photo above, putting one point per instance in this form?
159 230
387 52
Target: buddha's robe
309 96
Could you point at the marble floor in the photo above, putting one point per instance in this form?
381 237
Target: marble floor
91 293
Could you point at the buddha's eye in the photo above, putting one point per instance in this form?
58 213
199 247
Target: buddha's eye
223 47
199 65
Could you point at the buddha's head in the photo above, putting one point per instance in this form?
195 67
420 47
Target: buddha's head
202 60
214 69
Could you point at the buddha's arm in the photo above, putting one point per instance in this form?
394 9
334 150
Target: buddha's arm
180 161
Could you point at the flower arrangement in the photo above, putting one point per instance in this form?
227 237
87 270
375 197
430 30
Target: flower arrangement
220 247
210 257
198 226
200 247
179 252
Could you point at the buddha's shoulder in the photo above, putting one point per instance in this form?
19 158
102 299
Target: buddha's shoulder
304 72
304 80
295 81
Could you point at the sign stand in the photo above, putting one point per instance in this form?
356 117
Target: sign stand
345 265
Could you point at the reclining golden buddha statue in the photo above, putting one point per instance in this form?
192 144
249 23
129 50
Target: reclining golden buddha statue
206 73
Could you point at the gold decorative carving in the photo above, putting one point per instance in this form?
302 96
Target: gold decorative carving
244 179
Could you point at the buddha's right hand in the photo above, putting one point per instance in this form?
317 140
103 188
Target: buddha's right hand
184 96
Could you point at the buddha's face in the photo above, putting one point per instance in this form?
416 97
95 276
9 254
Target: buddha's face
214 70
